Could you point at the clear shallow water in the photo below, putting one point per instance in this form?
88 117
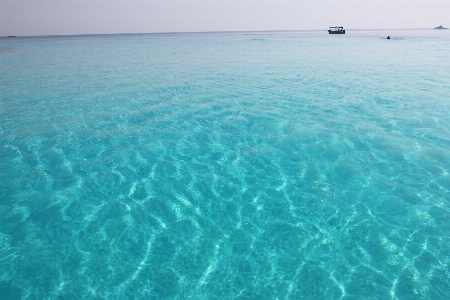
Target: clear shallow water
291 165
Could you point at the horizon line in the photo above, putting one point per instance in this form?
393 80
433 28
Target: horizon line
204 32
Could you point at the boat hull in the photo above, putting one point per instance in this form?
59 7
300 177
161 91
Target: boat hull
336 32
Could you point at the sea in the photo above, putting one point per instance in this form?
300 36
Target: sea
227 165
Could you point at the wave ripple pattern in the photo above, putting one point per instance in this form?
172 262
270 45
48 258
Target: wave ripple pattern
291 165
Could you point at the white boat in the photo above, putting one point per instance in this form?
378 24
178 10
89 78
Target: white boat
336 30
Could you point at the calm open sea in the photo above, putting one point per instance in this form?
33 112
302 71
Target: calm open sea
269 165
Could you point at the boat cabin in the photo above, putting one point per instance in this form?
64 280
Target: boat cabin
336 30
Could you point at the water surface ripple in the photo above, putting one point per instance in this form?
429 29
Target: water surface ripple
289 165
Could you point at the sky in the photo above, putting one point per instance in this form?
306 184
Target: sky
67 17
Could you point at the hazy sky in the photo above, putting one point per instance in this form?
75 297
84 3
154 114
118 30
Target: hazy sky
43 17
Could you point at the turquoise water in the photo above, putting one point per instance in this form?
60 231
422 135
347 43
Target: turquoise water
272 165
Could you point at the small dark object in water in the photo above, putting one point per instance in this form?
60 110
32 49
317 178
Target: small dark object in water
388 37
11 36
336 30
